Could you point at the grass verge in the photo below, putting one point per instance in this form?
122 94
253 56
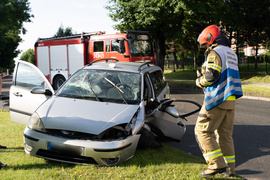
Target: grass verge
162 163
181 74
255 79
256 90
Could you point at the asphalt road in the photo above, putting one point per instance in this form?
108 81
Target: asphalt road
251 135
251 132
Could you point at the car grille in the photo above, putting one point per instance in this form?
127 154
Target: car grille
71 134
65 157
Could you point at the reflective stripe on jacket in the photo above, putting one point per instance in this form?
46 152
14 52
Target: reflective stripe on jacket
229 82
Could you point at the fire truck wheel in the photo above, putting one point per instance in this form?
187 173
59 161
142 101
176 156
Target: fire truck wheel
58 81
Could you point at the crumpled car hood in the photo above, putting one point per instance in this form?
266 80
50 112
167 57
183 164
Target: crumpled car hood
83 115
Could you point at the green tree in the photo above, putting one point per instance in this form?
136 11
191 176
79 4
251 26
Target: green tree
180 21
198 15
13 14
251 23
61 32
162 18
28 56
258 24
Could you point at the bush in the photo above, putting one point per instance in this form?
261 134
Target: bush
266 58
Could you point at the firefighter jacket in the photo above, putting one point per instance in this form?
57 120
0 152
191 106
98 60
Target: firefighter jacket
221 77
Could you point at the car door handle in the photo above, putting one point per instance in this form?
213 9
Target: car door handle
17 94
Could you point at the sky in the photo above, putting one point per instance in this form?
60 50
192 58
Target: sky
80 15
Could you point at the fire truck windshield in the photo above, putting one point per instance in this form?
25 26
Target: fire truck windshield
140 45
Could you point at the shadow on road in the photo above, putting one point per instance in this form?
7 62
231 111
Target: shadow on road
247 146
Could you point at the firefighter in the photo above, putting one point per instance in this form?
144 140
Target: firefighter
221 83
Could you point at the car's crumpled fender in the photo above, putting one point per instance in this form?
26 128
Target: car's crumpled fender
83 115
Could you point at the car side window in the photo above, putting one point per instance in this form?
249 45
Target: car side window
27 77
107 46
149 101
98 46
115 46
158 81
147 95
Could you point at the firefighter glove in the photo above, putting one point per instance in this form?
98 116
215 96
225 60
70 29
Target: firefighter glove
199 84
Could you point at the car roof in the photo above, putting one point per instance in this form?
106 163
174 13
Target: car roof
122 66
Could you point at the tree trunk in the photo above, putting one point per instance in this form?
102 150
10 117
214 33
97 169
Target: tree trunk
175 60
237 47
256 49
160 50
182 62
256 56
168 63
194 58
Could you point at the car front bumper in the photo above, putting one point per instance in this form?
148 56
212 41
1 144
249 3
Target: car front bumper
103 153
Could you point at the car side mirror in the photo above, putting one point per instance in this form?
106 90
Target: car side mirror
171 111
121 46
40 90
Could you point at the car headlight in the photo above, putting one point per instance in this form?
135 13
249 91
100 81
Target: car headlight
115 132
120 131
35 123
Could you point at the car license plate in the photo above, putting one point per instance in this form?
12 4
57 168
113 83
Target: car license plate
65 149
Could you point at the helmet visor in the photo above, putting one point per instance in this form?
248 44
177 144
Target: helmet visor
202 44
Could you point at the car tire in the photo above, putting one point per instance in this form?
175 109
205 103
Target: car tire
147 139
58 81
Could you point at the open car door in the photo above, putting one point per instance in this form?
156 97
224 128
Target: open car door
163 119
167 122
29 90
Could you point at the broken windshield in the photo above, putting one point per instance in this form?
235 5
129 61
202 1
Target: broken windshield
103 85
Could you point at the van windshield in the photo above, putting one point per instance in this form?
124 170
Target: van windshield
104 86
140 45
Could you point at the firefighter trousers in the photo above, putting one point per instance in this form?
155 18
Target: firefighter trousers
213 132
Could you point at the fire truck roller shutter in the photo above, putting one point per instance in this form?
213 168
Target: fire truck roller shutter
75 57
43 60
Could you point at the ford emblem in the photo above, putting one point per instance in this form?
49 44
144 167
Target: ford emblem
64 132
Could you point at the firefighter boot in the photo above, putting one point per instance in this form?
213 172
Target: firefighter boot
212 172
230 171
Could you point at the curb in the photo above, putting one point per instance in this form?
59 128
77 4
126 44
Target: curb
256 98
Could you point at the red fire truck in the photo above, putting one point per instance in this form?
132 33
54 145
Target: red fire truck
58 58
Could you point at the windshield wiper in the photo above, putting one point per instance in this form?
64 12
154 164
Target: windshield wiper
90 86
117 88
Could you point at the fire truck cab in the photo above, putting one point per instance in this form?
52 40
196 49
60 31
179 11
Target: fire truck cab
59 58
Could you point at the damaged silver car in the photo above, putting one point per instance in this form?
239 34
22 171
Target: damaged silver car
98 116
